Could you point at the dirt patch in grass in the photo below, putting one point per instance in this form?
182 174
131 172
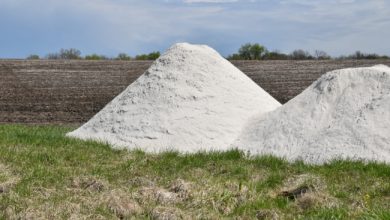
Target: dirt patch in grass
267 215
182 188
122 205
157 195
307 191
141 182
90 183
8 179
167 213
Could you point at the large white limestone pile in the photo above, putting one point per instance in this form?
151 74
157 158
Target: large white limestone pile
344 114
190 99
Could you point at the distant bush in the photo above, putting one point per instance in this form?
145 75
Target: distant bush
249 51
70 54
252 51
53 56
234 56
256 51
301 55
65 54
358 55
95 57
276 55
154 55
123 56
33 57
321 55
150 56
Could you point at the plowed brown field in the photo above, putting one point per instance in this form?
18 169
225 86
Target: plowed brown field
44 91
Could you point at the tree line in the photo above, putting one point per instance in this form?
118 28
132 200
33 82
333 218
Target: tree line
259 52
247 51
75 54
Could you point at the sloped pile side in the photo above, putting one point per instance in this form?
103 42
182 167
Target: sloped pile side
190 99
344 114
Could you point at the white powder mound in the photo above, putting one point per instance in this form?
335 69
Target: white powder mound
190 99
343 115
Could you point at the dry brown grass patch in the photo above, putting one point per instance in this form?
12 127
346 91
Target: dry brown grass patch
122 205
8 179
89 183
141 182
267 215
307 191
181 188
222 197
147 195
167 213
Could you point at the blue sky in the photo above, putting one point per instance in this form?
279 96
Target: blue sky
141 26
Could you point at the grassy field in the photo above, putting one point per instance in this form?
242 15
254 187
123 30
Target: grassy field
45 175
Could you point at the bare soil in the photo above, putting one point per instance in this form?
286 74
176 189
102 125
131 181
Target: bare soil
71 92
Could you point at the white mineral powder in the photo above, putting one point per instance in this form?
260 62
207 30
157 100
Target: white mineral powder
344 114
190 99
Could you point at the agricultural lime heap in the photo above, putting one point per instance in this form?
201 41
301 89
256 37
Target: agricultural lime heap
343 115
191 99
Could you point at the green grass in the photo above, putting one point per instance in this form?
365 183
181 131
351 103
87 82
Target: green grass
47 175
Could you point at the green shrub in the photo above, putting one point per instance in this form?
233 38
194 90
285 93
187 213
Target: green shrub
33 57
95 57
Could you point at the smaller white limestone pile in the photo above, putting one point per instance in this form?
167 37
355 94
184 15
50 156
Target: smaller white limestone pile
343 115
190 99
